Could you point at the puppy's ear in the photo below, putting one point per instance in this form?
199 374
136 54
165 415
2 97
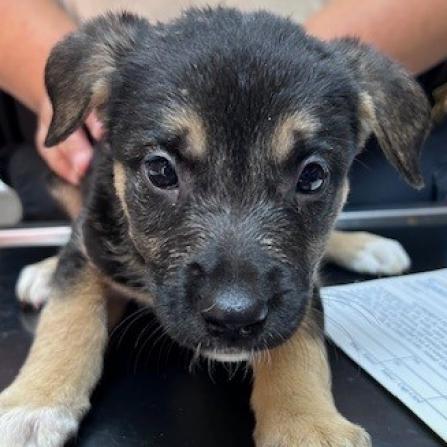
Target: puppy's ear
392 106
80 69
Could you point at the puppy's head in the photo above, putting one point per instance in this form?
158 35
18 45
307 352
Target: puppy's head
231 137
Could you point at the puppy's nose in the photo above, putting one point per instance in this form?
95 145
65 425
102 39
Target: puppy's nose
234 312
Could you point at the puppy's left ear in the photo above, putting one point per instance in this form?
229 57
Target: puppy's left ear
392 106
82 67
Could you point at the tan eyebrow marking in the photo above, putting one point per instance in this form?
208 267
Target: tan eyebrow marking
302 122
187 120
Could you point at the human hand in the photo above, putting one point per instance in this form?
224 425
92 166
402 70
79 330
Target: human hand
71 158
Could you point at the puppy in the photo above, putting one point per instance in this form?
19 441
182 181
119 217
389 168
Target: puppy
228 141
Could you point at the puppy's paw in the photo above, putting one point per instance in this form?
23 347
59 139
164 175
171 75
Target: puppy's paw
34 284
371 254
36 427
312 432
378 255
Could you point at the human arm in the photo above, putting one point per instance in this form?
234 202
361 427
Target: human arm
413 32
33 27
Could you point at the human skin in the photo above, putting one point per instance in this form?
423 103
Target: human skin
33 28
412 32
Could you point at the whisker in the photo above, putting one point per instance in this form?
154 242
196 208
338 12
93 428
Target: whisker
146 341
130 319
171 345
194 361
159 338
150 325
211 366
155 331
165 340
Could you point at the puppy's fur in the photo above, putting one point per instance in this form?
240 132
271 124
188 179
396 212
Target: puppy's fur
239 104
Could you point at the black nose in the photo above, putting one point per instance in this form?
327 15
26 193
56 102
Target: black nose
234 312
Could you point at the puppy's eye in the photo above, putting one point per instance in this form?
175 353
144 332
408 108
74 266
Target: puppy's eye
312 178
161 172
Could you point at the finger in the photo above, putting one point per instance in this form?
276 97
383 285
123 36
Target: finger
94 126
69 159
54 157
78 151
57 162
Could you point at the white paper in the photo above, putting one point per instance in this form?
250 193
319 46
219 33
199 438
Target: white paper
396 329
3 187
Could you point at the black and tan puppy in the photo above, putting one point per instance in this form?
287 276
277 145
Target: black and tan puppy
229 139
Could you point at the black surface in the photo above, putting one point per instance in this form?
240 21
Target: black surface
148 396
374 182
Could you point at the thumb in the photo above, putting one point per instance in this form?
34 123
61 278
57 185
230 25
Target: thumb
78 152
94 126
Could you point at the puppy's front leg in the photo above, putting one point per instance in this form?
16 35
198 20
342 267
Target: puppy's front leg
292 397
43 406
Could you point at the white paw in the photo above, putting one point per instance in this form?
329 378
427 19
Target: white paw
34 284
299 432
375 255
36 427
381 256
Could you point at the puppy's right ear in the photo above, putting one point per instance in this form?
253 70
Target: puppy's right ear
80 68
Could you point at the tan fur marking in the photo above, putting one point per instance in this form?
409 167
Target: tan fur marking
119 181
367 117
339 241
150 244
344 194
127 293
302 122
66 358
342 246
69 197
188 121
100 95
292 397
116 307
